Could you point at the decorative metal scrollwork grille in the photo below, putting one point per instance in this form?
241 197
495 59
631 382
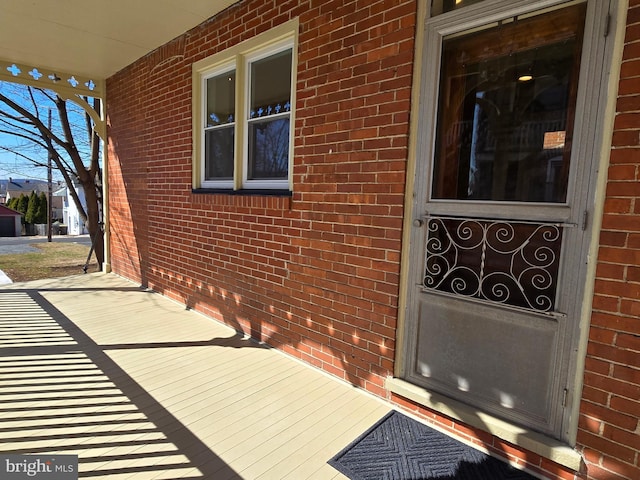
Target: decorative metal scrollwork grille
507 262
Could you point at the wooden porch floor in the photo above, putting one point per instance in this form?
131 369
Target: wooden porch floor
138 387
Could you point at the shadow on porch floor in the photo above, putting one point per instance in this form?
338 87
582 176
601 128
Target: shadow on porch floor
138 387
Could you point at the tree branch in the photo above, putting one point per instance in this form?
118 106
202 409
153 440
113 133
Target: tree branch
19 154
42 128
19 135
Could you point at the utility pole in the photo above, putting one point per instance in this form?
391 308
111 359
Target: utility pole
49 188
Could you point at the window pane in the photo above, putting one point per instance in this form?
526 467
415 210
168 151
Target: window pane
221 99
219 153
269 149
271 85
506 110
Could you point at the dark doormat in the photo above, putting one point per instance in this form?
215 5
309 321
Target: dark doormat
400 448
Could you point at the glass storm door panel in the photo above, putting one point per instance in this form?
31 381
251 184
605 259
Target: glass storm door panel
507 97
490 323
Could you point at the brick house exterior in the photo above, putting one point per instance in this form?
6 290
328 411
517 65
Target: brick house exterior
317 273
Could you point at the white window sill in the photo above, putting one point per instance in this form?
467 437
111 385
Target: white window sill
544 446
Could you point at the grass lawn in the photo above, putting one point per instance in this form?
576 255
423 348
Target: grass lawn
51 261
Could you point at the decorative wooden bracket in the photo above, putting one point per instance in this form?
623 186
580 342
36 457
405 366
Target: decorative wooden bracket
75 88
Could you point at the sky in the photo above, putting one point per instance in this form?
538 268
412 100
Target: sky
12 165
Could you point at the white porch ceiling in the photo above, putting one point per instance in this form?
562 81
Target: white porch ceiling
94 38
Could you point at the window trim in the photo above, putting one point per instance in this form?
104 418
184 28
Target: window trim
238 57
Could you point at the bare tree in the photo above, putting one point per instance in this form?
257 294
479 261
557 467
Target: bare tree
70 140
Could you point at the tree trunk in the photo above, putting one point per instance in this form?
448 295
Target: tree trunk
94 221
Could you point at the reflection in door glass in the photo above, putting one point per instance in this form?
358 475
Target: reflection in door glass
506 112
443 6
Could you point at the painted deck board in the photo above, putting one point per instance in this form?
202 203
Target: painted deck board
141 388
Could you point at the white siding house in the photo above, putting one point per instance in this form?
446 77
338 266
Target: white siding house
70 214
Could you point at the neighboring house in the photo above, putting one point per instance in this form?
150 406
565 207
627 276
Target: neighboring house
70 214
15 187
57 208
3 191
10 222
436 202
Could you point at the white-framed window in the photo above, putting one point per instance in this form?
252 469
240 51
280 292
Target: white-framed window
243 114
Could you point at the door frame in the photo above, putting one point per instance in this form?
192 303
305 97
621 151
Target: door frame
595 137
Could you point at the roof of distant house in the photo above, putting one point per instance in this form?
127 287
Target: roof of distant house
6 211
25 185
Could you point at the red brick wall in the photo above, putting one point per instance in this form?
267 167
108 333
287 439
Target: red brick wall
609 428
317 274
127 179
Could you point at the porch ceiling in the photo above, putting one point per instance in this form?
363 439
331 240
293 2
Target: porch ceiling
94 38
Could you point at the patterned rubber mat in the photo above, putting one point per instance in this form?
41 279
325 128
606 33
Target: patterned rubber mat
400 448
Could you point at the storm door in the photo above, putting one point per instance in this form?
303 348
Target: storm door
493 317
